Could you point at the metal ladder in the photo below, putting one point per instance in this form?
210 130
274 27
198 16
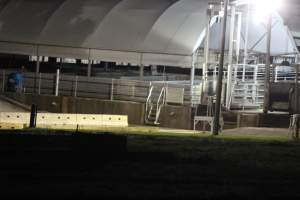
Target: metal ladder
154 104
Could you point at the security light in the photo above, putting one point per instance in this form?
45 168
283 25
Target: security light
264 8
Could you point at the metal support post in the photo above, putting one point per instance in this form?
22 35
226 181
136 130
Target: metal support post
112 90
193 67
40 83
106 66
3 80
216 124
268 64
37 70
296 89
89 71
246 41
76 86
141 72
57 82
230 58
32 123
238 37
154 70
33 114
206 47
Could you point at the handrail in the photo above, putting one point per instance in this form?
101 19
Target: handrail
149 103
159 106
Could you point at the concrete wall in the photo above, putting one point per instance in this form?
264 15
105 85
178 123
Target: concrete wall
272 120
134 111
179 117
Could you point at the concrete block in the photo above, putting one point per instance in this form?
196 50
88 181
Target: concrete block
11 126
15 117
56 119
89 120
115 120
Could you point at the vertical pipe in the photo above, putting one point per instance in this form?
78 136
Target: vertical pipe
193 75
206 47
230 58
141 72
3 81
57 82
238 37
216 124
106 66
296 90
297 100
89 71
246 41
37 69
112 90
141 68
268 63
40 83
76 86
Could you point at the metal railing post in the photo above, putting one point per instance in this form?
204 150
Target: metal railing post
3 80
40 83
57 82
76 86
112 90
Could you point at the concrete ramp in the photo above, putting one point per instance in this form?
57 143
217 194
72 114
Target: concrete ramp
7 105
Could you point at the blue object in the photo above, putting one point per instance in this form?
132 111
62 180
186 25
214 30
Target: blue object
15 82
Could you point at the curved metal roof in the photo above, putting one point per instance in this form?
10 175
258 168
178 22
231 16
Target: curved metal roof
136 31
164 27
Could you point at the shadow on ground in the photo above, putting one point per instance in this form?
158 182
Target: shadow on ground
73 165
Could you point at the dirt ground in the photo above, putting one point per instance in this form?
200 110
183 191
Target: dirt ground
252 131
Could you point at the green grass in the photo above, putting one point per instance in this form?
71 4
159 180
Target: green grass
187 164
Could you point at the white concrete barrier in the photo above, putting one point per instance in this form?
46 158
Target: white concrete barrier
64 121
15 117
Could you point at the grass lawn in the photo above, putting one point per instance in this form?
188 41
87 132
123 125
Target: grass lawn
166 165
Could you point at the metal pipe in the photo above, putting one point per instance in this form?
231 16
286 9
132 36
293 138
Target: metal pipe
40 83
89 71
246 41
193 76
112 90
141 72
296 89
57 82
3 80
216 123
296 100
206 47
76 86
238 37
37 69
230 58
268 64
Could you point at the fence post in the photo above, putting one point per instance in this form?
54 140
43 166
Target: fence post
40 83
57 82
3 80
76 86
112 90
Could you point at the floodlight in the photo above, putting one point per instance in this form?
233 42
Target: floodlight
264 8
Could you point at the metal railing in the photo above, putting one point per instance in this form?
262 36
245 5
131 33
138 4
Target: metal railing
160 103
248 83
149 104
93 87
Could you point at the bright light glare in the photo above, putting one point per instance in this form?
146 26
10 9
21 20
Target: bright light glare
263 8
